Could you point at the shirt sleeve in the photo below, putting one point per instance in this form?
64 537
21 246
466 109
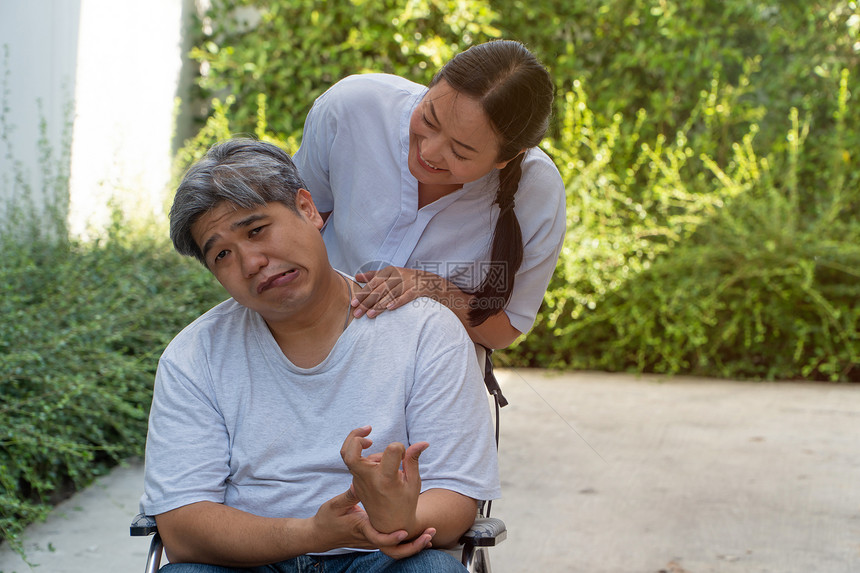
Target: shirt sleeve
448 408
313 155
187 446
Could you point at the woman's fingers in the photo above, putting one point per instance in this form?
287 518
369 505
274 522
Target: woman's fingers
381 289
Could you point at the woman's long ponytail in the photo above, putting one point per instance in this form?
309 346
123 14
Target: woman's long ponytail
506 254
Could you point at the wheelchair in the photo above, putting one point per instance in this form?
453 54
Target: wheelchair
486 532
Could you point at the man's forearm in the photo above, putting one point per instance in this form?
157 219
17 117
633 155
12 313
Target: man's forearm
207 532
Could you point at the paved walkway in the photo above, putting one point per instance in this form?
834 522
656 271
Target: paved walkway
607 473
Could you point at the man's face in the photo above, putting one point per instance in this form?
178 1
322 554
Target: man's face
268 258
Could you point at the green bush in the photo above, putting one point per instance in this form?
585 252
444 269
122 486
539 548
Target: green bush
656 55
754 283
290 51
709 150
670 132
83 327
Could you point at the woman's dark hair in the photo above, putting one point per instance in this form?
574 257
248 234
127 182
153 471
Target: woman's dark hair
516 92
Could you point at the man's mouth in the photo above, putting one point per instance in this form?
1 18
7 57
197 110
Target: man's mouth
277 280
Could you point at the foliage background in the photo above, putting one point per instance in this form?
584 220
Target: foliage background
709 150
83 327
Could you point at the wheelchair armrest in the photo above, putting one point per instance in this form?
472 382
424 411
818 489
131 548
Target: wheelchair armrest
143 525
485 532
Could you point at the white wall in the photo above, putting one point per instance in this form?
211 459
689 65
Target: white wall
120 61
41 37
129 62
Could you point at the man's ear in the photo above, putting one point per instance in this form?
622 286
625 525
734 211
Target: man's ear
305 206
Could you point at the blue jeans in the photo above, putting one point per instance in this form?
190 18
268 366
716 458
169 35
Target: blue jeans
427 561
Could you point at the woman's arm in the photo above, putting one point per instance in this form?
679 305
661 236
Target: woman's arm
393 287
494 333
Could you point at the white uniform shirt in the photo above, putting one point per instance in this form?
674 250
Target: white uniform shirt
357 170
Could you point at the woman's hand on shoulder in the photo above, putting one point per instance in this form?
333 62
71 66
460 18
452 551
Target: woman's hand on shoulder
392 287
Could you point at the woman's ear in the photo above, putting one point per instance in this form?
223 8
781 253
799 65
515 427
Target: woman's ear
502 164
305 206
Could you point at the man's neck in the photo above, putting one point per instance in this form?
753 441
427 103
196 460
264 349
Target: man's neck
307 341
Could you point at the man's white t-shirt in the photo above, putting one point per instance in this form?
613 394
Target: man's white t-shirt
233 421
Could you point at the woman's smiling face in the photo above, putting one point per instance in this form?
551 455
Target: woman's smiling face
451 140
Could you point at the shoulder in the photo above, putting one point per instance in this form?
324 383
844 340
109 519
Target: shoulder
369 89
429 321
217 323
541 198
540 174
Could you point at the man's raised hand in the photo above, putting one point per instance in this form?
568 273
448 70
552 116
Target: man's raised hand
388 483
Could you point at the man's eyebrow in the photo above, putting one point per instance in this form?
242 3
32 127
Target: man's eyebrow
436 119
209 243
246 222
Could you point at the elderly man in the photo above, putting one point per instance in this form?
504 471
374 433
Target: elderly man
263 406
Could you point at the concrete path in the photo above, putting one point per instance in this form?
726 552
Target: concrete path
607 473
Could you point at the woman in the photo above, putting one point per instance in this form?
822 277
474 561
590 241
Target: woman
440 191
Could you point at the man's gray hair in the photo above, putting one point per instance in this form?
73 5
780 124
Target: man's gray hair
243 172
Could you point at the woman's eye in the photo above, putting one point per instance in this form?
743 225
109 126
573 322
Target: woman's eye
255 231
458 156
426 121
221 255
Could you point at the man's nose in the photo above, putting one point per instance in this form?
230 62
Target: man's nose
253 259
